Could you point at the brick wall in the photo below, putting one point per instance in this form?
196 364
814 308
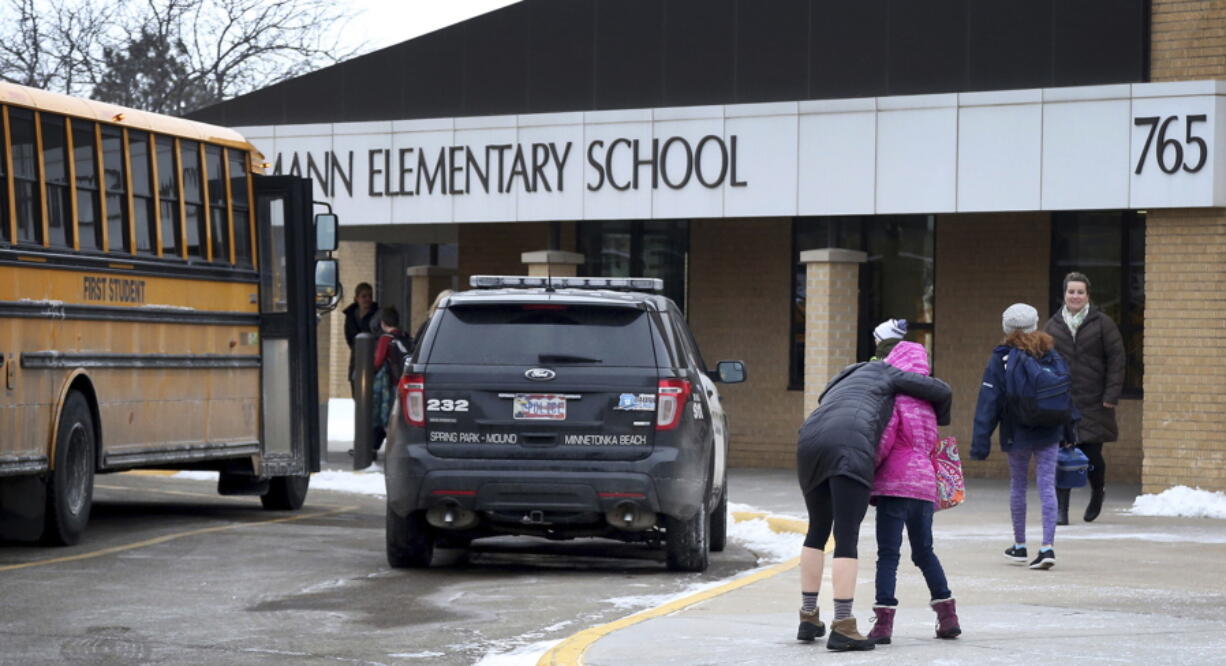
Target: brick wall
1188 40
1185 376
739 286
497 249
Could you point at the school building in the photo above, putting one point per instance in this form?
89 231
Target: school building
799 170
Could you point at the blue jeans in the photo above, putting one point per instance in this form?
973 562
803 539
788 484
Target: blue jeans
893 513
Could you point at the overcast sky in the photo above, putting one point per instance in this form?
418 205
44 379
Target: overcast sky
381 23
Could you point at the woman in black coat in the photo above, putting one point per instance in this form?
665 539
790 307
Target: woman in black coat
1091 344
836 460
360 318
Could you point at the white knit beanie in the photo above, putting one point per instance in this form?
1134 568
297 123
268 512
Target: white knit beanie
889 329
1020 317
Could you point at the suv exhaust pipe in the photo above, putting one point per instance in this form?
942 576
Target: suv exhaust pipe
630 516
449 515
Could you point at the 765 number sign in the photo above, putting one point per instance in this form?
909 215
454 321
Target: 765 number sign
1170 152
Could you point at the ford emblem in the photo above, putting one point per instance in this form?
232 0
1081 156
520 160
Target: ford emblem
540 374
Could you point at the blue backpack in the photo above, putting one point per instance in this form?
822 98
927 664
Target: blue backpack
1039 392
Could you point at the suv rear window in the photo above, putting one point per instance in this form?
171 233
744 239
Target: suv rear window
544 334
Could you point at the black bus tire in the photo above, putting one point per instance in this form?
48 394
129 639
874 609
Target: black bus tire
70 486
286 493
686 541
410 543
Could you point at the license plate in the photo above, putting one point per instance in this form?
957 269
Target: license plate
539 407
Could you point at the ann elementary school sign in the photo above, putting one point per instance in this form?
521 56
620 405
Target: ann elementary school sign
1150 145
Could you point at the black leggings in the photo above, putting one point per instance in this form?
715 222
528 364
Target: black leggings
1098 466
839 502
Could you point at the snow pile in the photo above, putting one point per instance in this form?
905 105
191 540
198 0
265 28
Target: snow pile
1181 501
340 420
365 482
757 536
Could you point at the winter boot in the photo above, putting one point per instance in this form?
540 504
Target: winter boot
883 624
845 636
810 626
947 618
1095 506
1062 506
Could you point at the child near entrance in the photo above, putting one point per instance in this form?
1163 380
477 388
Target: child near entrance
393 346
905 492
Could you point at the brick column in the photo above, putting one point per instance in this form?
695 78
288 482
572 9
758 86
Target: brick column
832 308
1184 411
556 263
425 283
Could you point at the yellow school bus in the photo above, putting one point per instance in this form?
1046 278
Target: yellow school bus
158 302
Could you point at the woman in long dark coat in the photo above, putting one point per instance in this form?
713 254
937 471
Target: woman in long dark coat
1094 350
836 461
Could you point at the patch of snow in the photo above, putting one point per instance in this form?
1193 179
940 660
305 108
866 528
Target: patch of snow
524 655
196 476
365 482
340 420
1181 501
417 655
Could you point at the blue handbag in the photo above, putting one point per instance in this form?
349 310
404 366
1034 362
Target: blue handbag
1072 468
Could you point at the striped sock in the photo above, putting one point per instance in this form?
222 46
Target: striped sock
808 601
842 609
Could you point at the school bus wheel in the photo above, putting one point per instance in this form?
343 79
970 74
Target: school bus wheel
285 493
70 485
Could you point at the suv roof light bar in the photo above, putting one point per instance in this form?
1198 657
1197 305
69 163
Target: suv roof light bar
606 283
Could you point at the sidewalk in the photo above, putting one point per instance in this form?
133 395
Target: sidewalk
1125 590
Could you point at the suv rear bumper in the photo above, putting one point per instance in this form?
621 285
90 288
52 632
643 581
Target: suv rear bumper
664 482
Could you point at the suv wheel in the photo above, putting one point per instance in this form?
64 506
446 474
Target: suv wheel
686 541
409 541
719 522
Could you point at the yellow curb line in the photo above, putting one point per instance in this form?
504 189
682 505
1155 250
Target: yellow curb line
170 537
571 650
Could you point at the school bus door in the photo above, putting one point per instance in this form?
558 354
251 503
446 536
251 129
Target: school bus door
290 430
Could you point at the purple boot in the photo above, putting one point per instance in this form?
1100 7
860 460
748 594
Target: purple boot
883 625
947 618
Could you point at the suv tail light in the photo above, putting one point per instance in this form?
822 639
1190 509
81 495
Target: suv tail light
670 399
412 390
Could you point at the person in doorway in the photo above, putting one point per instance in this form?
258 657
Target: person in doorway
836 455
359 318
905 493
1091 345
1019 441
887 334
393 346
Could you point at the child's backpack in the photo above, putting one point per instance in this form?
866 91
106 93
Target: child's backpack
951 486
1039 392
398 349
1072 468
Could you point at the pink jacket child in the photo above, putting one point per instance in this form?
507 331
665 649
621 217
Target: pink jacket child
904 455
905 493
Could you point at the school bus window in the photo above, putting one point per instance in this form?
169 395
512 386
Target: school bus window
85 161
4 187
240 206
193 206
116 189
142 192
168 195
25 177
55 166
218 220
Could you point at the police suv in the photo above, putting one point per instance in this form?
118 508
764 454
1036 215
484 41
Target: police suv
560 408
